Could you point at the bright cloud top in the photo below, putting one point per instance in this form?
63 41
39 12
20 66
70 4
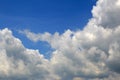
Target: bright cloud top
89 54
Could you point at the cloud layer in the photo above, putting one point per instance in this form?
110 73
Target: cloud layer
89 54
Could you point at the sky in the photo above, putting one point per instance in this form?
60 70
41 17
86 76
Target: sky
60 40
44 16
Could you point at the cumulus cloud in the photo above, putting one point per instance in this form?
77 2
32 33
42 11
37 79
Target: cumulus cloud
106 13
89 54
20 63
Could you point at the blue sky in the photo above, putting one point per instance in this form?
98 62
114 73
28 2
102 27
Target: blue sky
44 16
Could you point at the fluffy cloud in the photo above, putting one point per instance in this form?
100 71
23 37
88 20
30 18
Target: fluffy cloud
86 54
106 13
89 54
19 63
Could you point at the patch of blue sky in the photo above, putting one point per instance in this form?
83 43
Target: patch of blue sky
41 16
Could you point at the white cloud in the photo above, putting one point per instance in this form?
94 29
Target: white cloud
89 54
17 62
118 3
79 55
106 13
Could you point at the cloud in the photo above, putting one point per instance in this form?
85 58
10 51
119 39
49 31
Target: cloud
106 13
18 62
89 54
